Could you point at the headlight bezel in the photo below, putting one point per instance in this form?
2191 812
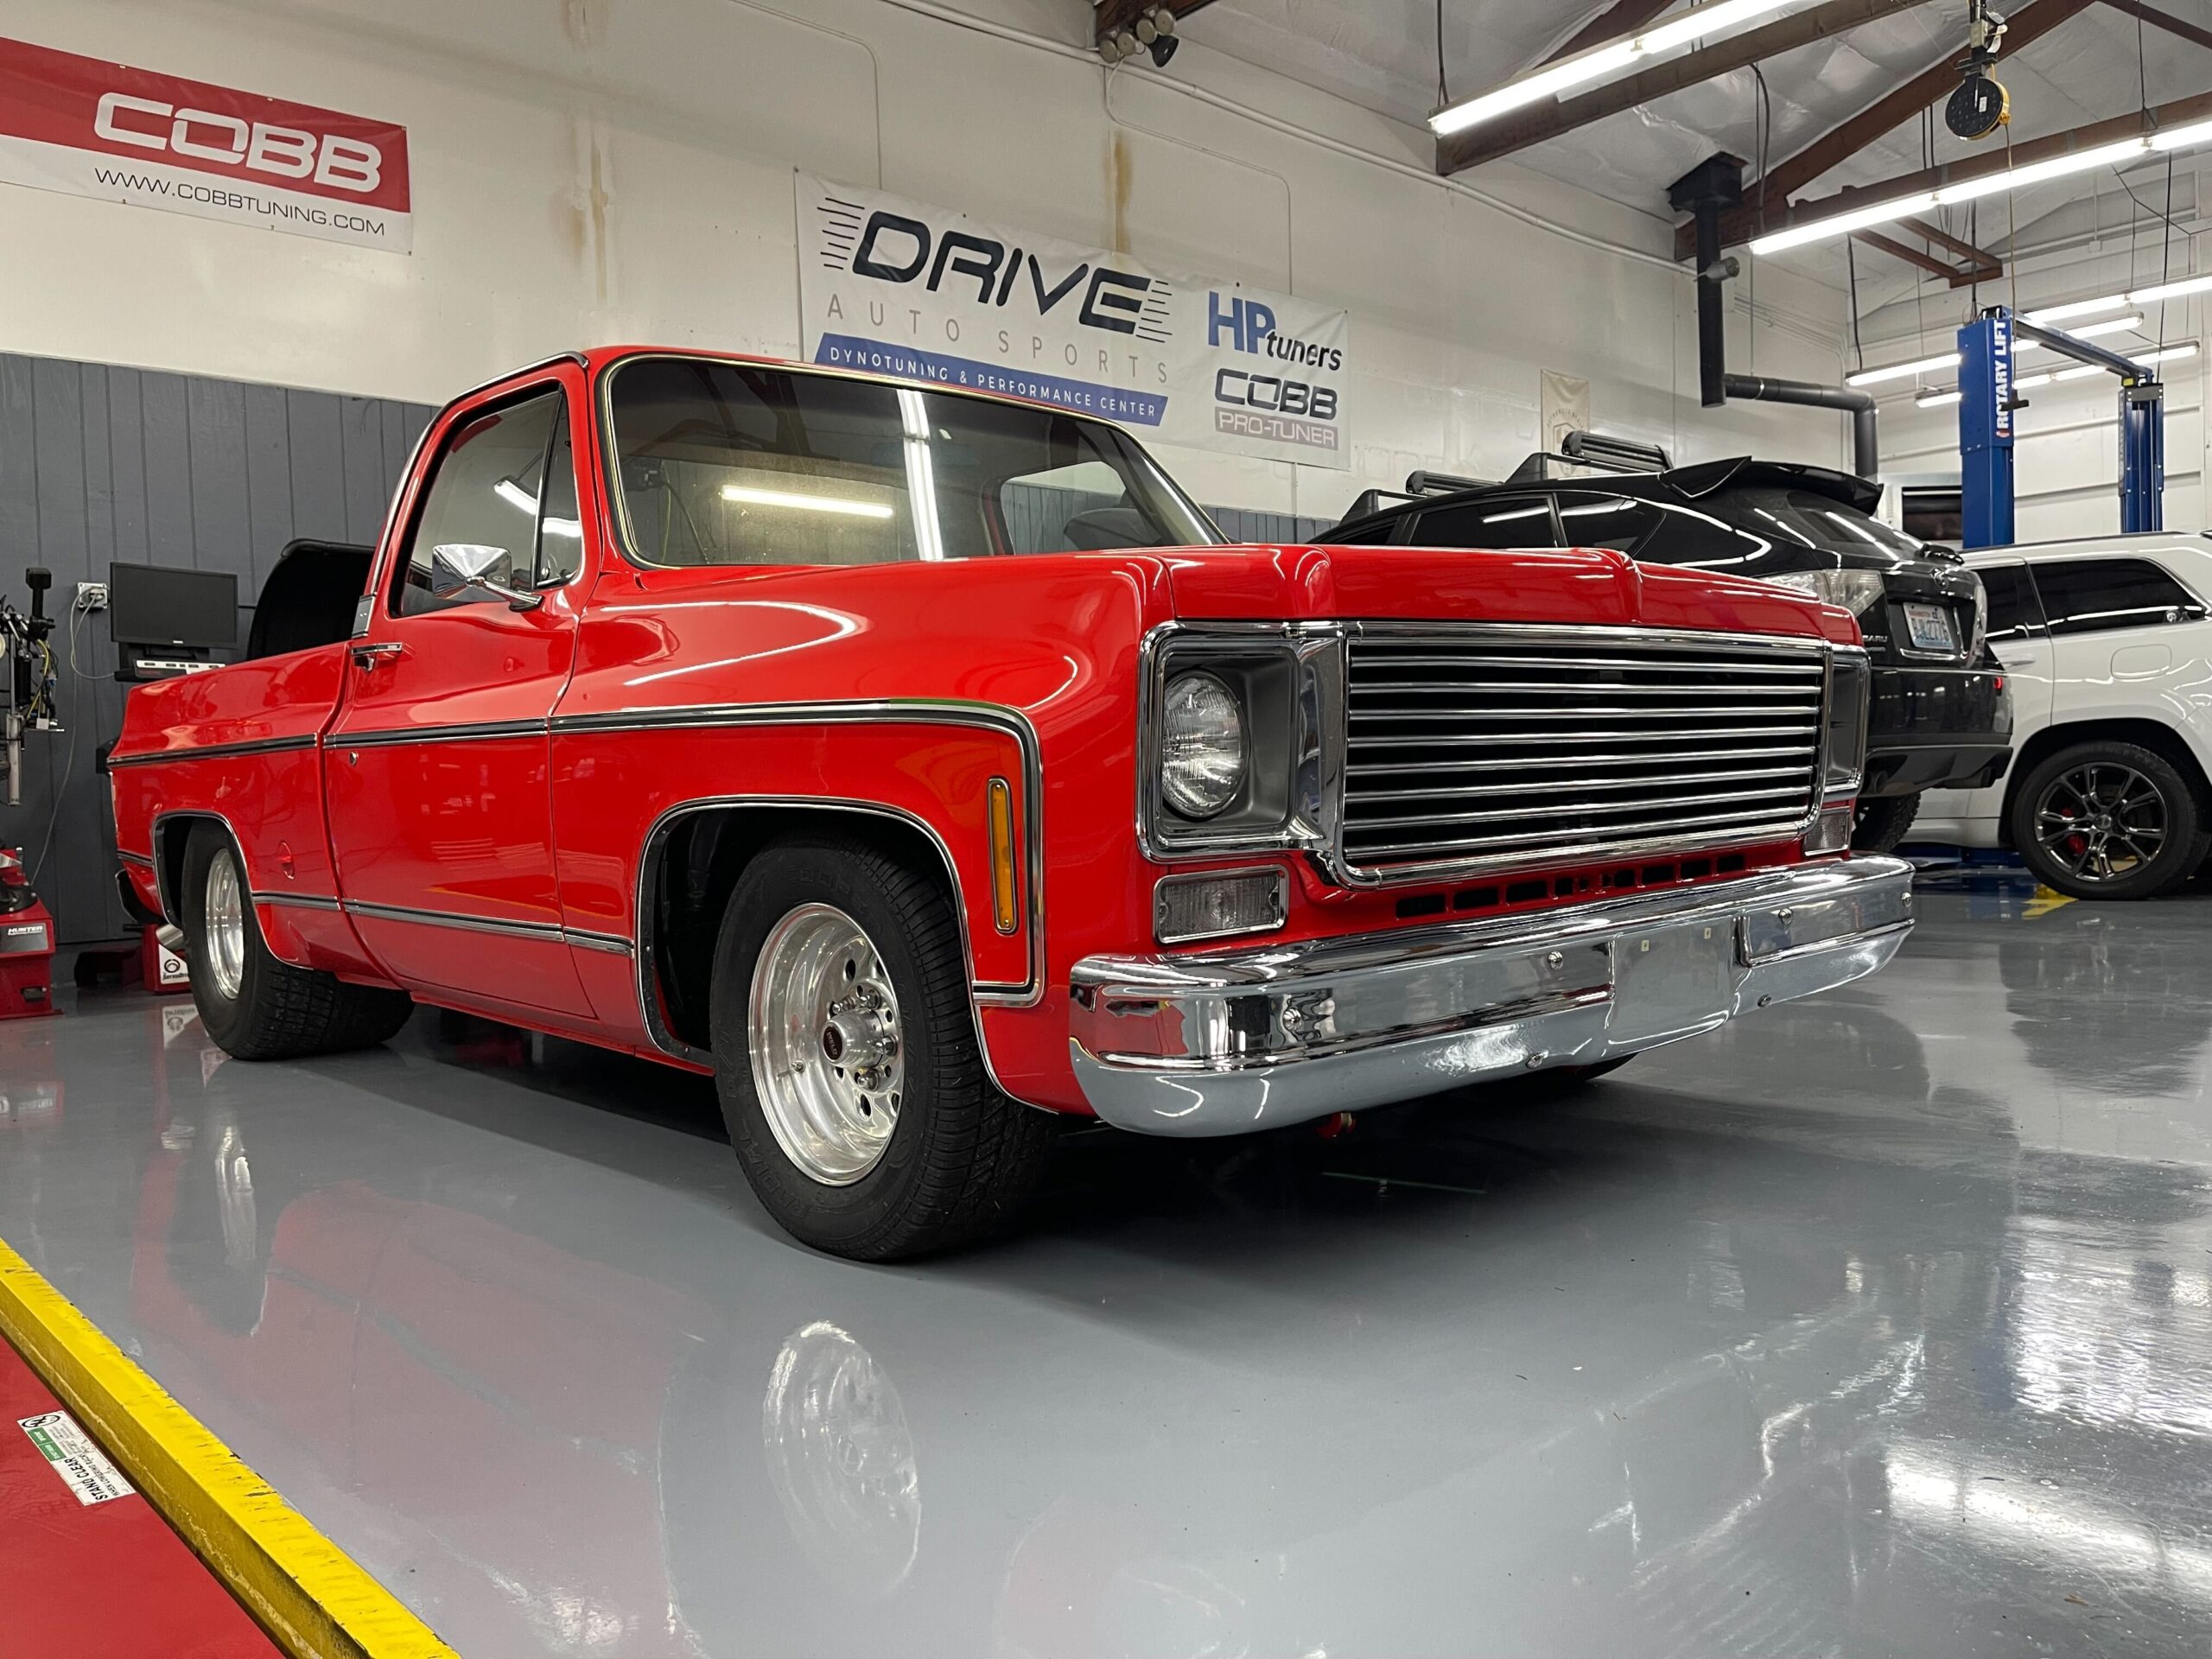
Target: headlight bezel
1276 674
1843 722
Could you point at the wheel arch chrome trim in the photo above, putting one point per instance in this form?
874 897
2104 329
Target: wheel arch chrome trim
649 871
994 717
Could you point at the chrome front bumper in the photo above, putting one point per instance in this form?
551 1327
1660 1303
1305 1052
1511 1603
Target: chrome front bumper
1225 1042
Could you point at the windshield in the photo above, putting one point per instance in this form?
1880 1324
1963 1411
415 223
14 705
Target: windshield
1806 519
733 463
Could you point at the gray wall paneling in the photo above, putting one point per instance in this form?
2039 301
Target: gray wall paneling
101 466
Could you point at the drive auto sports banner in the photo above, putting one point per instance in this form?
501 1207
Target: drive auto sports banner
88 128
902 288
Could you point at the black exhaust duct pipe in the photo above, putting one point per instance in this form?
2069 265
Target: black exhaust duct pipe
1715 184
1866 450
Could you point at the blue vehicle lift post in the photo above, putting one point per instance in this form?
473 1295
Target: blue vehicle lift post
1989 395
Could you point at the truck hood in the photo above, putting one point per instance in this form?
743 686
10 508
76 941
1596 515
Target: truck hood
1577 586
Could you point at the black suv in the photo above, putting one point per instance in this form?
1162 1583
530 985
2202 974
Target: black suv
1941 716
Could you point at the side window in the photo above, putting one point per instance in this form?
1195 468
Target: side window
484 489
1499 522
1685 535
2014 612
2094 595
1604 520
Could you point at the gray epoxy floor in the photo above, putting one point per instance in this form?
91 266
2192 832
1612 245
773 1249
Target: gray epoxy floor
1880 1325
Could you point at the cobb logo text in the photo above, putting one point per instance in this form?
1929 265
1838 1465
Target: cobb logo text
284 152
1277 407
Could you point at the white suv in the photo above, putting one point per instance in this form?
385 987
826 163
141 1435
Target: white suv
2108 642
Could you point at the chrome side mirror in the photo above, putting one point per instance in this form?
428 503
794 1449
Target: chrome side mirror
457 567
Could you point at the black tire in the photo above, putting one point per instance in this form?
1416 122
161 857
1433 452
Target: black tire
2145 866
280 1012
1881 822
963 1159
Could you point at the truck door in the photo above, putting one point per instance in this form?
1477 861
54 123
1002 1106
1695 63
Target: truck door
440 804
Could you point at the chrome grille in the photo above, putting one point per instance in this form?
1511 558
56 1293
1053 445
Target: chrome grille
1523 747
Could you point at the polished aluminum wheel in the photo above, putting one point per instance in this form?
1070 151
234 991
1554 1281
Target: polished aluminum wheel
823 1025
2100 821
224 920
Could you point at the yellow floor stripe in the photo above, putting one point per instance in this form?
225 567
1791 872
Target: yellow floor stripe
312 1596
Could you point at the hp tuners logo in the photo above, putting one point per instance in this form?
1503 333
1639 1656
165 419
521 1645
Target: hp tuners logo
1285 409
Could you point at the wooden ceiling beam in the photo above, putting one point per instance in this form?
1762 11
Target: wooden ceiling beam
1533 125
1982 268
1741 225
1895 250
1935 234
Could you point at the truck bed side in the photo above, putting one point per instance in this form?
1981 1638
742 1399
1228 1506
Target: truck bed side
241 746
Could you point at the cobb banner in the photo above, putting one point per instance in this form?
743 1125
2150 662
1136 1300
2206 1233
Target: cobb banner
902 288
89 128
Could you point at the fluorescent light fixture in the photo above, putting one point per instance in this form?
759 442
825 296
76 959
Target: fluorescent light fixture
2116 326
2182 137
1545 83
1701 21
515 496
2170 290
1936 399
2172 353
1900 371
2028 380
1989 184
1600 63
2113 301
1841 224
2051 314
806 503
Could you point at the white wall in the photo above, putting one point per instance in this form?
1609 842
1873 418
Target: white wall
588 171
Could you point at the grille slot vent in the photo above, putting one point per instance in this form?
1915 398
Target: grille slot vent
1465 749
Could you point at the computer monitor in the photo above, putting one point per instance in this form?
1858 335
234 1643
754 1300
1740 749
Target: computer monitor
165 606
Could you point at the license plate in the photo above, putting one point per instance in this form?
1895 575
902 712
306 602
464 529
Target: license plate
1672 982
1929 627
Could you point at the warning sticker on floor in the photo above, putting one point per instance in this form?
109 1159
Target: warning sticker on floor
75 1459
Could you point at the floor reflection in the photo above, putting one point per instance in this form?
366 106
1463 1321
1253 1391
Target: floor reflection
1880 1324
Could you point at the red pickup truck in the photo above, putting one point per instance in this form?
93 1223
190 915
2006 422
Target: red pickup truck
921 765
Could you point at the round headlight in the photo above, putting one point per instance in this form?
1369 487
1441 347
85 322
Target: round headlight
1201 746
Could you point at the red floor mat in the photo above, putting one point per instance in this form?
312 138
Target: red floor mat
105 1579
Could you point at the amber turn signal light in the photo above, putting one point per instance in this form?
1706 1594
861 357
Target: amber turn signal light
1004 885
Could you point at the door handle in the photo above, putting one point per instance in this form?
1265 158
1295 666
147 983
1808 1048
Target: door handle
369 655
